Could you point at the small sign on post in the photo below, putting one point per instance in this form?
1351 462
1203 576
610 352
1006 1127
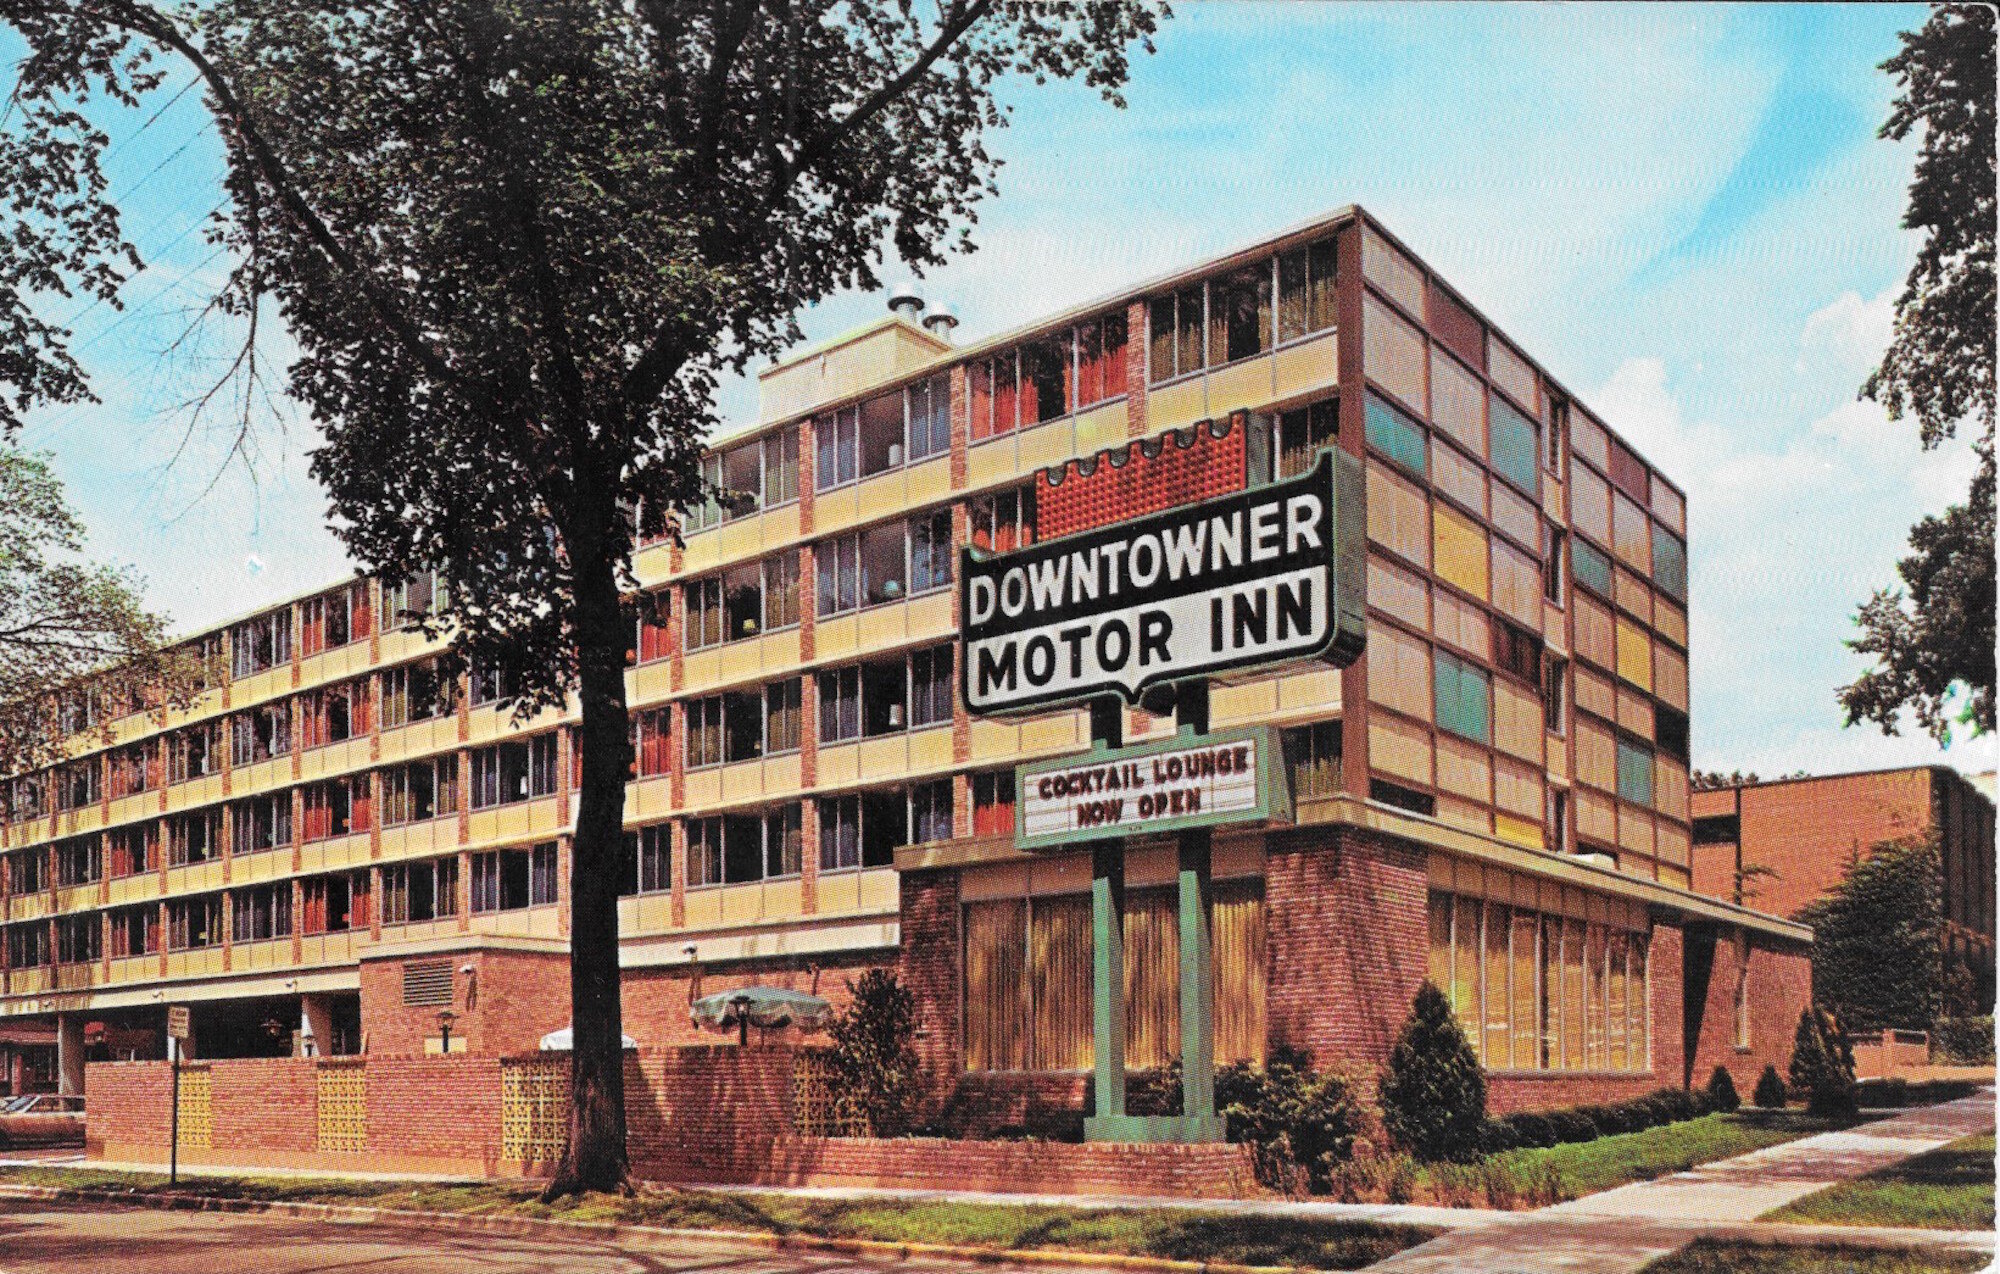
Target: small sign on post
177 1033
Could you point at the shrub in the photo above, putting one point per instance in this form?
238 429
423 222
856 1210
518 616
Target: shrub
1501 1183
1722 1090
1822 1065
1496 1136
1962 1041
1434 1096
1300 1124
872 1054
1770 1092
1605 1119
1572 1125
1532 1128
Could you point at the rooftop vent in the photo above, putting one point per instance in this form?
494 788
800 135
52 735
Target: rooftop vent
940 321
906 303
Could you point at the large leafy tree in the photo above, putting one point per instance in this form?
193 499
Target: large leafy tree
517 241
1936 642
68 627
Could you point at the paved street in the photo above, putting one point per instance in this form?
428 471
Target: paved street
38 1239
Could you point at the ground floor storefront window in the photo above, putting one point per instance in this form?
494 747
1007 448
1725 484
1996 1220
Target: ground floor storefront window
1560 985
1028 1000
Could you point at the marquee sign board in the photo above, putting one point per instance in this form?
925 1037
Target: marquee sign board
1231 776
1265 576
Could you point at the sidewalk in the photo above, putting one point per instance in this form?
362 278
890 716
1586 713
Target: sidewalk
1621 1230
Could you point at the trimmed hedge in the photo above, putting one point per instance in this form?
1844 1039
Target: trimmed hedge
1962 1041
1537 1128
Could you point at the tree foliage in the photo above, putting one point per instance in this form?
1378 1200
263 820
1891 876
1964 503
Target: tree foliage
1937 639
67 627
876 1063
1434 1095
1878 939
517 242
1822 1065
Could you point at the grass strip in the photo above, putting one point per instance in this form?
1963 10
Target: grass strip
1587 1167
1721 1256
1950 1188
1179 1234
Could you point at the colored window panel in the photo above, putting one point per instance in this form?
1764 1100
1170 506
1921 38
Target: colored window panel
1669 507
1396 436
1588 439
1590 504
1459 549
1499 1039
1398 515
1462 624
1635 772
1631 534
1394 353
1591 568
1670 564
1401 593
1517 585
1459 478
1510 371
1635 654
1463 697
1458 404
1399 671
1596 757
1518 517
1514 444
1393 272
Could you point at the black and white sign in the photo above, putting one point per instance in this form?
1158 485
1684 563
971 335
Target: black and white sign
1151 789
1268 575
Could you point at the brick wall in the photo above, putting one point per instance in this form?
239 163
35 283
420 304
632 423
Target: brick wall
263 1104
1346 911
1780 988
434 1109
931 961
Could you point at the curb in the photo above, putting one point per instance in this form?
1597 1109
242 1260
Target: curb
876 1250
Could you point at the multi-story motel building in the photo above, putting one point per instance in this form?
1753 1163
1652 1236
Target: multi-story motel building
333 846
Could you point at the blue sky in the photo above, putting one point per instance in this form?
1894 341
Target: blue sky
1682 211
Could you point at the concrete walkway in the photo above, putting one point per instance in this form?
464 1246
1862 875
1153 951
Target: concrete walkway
1620 1231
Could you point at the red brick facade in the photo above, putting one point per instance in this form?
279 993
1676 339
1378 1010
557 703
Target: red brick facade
510 999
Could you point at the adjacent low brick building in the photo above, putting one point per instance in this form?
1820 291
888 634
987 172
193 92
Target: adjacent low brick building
1781 844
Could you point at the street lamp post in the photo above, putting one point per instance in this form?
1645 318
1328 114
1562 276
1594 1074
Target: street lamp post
445 1018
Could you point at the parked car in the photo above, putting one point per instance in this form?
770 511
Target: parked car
41 1119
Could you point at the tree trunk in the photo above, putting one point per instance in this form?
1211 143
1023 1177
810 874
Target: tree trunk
596 1159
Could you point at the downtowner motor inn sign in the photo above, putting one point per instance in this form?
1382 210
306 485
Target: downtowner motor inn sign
1266 576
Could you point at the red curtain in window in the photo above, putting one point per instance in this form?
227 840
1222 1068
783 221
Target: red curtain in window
312 628
360 708
362 620
1003 394
314 918
361 809
312 720
360 901
318 818
652 746
653 642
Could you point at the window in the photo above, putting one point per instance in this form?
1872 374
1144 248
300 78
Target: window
651 644
261 643
781 466
1305 432
704 852
194 922
930 687
194 752
79 861
1543 992
1239 315
413 892
27 871
1670 730
261 823
78 784
838 449
705 616
79 939
839 832
1553 541
1399 797
1558 430
420 791
882 430
1742 1003
885 564
838 563
334 904
782 716
415 692
1100 360
333 619
742 725
1396 436
76 711
1591 568
131 770
24 798
338 807
704 732
993 803
1635 772
193 838
839 705
261 733
930 551
136 848
931 812
1175 325
333 714
1045 373
1517 651
28 945
1718 829
929 405
508 772
1305 290
742 481
1004 520
135 931
490 684
1555 679
513 879
995 387
652 860
1558 820
1463 700
263 912
651 731
415 598
1514 445
784 840
1313 758
708 512
743 848
1670 564
781 591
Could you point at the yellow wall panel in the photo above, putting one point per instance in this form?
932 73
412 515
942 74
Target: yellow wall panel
1635 829
1517 720
648 799
1671 620
1596 756
1458 546
1248 701
1400 748
1518 830
1596 816
1632 594
1399 671
1635 654
1464 769
1595 639
1517 788
1178 404
840 765
838 891
1309 692
1249 383
1398 515
1307 366
143 887
1102 428
1471 815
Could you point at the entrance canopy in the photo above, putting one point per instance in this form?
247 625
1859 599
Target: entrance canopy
765 1007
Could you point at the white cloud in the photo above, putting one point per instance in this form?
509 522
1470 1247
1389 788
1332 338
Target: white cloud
1852 331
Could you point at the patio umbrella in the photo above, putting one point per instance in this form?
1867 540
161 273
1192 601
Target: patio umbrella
564 1040
766 1007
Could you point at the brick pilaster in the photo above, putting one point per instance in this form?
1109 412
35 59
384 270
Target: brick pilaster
1135 369
808 475
961 425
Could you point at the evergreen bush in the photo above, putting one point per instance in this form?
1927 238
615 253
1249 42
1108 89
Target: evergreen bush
1770 1093
1822 1065
872 1054
1722 1090
1302 1125
1434 1096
